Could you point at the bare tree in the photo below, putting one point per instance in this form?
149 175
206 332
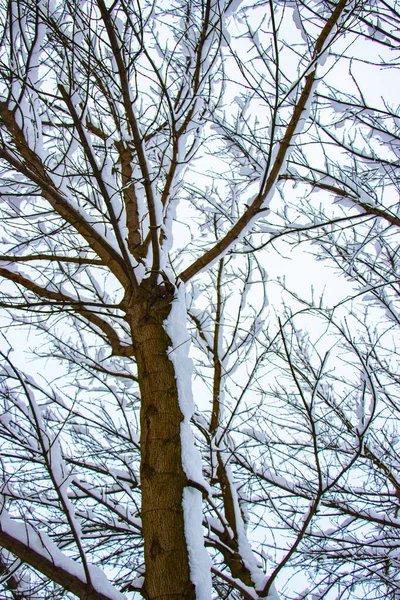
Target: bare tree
148 152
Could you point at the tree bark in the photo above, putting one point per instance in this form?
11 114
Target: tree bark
163 479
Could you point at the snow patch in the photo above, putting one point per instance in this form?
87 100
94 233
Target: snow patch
175 326
200 573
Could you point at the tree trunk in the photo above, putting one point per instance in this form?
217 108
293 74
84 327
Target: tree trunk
162 476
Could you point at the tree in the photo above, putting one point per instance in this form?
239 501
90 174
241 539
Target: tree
112 114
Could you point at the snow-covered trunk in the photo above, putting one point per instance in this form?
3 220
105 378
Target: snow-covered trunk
163 478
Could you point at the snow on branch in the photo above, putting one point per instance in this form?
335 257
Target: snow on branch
37 550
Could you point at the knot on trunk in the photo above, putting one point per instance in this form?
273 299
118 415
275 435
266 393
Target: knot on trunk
154 299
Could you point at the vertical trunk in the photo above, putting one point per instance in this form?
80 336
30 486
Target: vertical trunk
162 476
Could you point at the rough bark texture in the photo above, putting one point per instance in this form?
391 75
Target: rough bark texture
162 476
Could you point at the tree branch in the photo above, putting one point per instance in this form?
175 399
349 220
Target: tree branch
37 550
118 349
269 180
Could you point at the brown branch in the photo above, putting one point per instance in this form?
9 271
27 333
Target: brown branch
200 331
369 209
127 101
79 307
116 509
130 201
233 559
255 208
99 178
55 572
60 204
233 583
52 257
11 582
217 380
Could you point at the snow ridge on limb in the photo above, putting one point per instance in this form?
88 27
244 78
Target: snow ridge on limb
261 200
192 498
37 550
